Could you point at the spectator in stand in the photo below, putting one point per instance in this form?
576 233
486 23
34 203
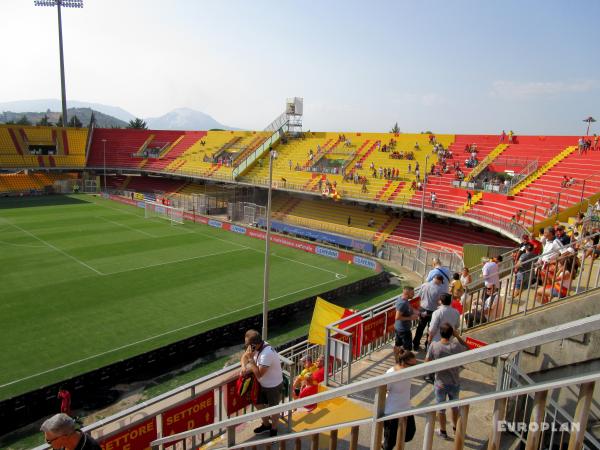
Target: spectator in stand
491 272
61 431
430 295
522 269
503 136
445 313
405 315
558 284
483 311
456 287
433 199
469 198
308 368
65 400
260 359
465 280
397 399
447 382
551 245
562 236
438 269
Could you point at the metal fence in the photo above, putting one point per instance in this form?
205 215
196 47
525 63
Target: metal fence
557 420
543 279
494 401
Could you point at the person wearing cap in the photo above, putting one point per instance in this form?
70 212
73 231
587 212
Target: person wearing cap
308 369
61 431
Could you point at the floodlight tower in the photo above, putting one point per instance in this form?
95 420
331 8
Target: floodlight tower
61 4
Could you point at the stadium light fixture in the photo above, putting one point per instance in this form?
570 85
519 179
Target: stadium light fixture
589 121
61 4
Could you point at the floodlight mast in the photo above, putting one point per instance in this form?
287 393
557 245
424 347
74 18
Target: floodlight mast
59 4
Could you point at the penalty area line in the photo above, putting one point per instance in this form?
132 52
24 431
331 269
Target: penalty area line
166 333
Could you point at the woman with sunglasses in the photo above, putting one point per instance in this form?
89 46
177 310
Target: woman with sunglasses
398 399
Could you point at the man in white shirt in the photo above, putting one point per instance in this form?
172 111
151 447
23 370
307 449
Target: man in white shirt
552 246
263 361
491 272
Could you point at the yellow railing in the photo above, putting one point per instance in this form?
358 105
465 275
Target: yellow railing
461 210
486 161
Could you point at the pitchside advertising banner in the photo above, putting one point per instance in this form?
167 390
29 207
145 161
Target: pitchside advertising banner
192 414
259 234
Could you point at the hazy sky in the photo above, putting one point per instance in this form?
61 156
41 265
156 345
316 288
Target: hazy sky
452 66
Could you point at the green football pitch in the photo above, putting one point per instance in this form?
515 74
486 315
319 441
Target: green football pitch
87 281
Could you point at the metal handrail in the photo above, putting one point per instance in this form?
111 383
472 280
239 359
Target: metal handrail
550 334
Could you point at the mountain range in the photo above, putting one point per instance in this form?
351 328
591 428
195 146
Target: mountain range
178 119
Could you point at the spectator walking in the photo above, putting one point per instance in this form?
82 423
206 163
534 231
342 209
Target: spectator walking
405 314
260 359
447 382
397 399
61 431
469 198
433 199
444 314
430 295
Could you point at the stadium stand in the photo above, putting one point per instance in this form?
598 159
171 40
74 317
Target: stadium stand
450 198
27 146
543 186
441 236
355 155
35 181
334 217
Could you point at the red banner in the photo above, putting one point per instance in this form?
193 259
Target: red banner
391 319
373 328
233 401
137 437
474 343
187 416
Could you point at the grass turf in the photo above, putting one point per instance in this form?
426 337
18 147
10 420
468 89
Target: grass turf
87 281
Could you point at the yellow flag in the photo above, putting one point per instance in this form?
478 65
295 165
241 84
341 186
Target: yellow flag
324 314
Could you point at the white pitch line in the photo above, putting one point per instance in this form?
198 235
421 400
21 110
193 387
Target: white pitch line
53 247
127 226
166 333
176 261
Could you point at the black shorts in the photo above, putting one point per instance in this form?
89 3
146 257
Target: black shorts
270 396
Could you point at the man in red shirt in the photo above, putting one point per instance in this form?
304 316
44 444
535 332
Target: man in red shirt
65 400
